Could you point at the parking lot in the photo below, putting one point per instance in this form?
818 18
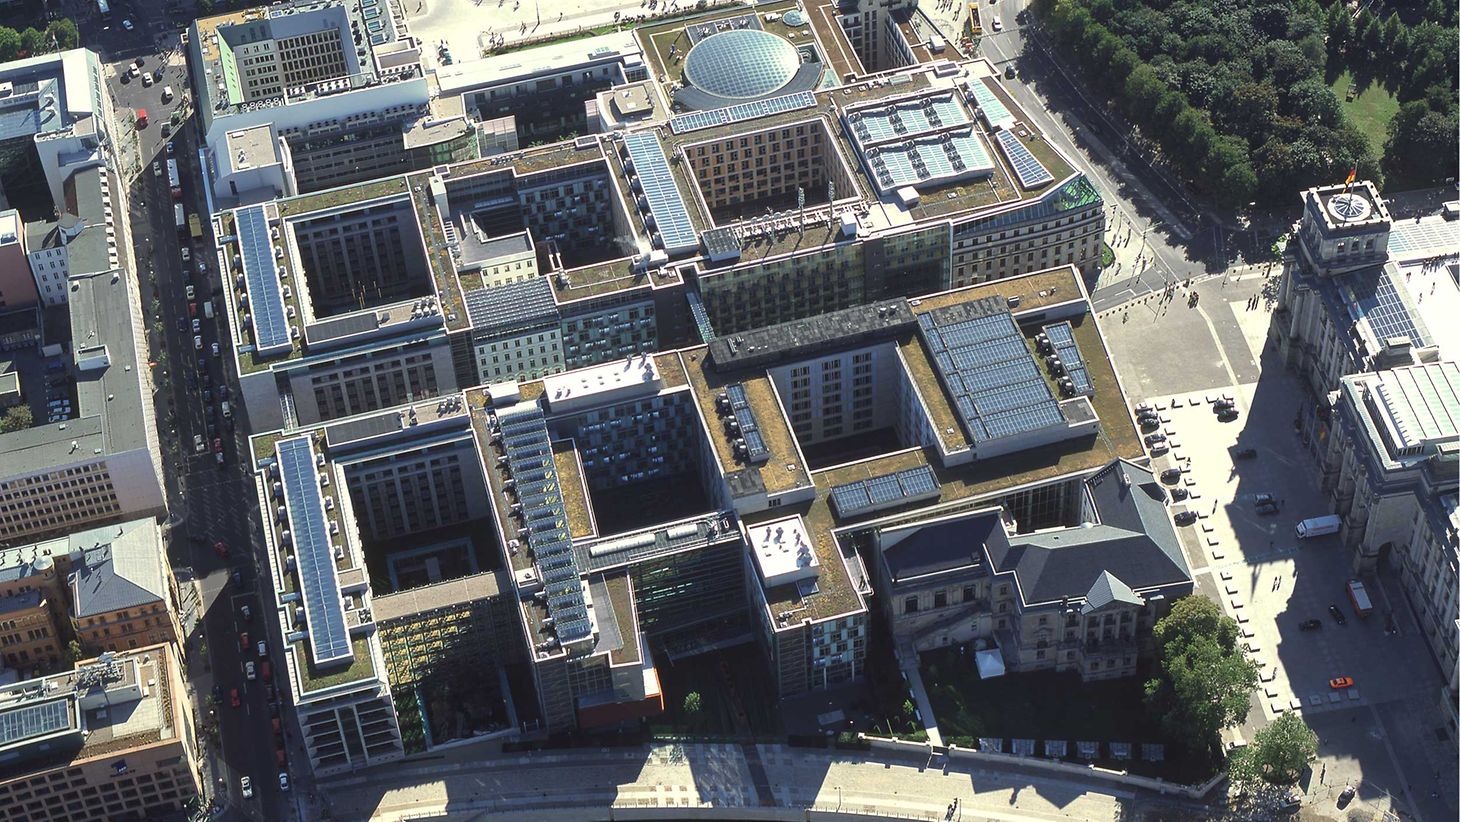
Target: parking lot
1378 733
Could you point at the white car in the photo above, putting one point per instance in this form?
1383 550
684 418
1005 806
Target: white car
190 291
283 781
247 785
216 350
157 169
197 342
998 24
187 255
248 667
198 444
197 324
146 81
263 649
127 24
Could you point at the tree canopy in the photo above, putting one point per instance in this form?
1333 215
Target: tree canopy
1278 753
1205 680
1237 92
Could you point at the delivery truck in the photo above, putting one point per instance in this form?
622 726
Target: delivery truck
1318 526
1360 598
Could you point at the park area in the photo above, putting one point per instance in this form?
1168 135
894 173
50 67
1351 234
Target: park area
1366 104
1046 705
736 697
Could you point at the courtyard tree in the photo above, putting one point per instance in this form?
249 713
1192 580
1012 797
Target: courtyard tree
17 418
1278 754
73 650
1204 681
694 710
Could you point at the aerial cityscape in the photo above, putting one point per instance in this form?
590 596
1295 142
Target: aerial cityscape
729 410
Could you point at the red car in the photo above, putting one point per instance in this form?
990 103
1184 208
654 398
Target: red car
265 671
217 445
221 549
243 641
193 310
279 755
233 698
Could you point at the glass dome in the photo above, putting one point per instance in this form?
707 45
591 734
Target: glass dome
741 64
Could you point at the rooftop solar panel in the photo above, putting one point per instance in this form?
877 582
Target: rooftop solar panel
741 111
324 612
994 112
30 721
1027 168
265 299
671 217
990 375
1373 298
757 449
526 441
1061 336
877 493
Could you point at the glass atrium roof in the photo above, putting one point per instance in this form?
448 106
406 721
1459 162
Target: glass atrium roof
742 64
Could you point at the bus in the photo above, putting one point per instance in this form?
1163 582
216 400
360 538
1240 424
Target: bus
103 8
173 180
195 226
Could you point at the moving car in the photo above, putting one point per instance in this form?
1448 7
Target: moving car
216 350
249 671
1338 683
190 291
998 24
1337 615
233 698
283 781
1310 625
218 445
127 24
265 671
246 785
197 342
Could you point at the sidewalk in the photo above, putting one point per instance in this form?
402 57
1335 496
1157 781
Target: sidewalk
907 660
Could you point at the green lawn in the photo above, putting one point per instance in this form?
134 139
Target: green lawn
1371 111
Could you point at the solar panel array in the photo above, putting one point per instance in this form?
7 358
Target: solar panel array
741 112
1410 240
1372 296
759 452
944 156
671 217
1027 168
1062 336
324 612
874 494
994 112
30 721
530 457
996 387
265 300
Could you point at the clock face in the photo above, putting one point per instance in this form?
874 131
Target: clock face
1349 207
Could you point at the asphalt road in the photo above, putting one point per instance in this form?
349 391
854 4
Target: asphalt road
209 501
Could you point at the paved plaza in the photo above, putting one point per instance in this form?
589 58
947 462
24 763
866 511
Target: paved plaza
1380 734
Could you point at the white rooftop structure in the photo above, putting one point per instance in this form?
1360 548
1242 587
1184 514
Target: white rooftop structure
599 384
783 551
1419 405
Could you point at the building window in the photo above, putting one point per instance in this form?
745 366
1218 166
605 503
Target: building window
910 605
940 599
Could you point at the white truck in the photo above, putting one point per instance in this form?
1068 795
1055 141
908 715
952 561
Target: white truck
1318 526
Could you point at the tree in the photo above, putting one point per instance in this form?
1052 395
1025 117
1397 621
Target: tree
34 42
1205 680
1278 753
17 418
1422 143
205 7
9 44
73 650
692 703
64 32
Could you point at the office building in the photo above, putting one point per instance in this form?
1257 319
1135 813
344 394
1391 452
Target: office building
307 95
17 285
122 592
102 463
113 739
35 627
1392 466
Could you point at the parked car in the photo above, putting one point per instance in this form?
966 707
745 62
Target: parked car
1171 476
146 80
198 444
1149 421
221 549
216 350
1266 508
263 649
233 698
218 445
246 785
1310 625
219 458
197 341
1337 615
1152 439
265 671
1338 683
190 291
243 636
247 613
1245 453
1185 517
1179 493
1227 414
1347 795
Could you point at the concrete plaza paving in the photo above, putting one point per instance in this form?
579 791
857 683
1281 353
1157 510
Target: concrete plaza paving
1181 359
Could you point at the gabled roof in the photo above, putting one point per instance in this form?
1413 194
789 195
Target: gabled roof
125 573
1133 540
1107 589
944 546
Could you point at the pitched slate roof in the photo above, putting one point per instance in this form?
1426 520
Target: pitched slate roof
944 546
124 573
1107 589
1133 540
